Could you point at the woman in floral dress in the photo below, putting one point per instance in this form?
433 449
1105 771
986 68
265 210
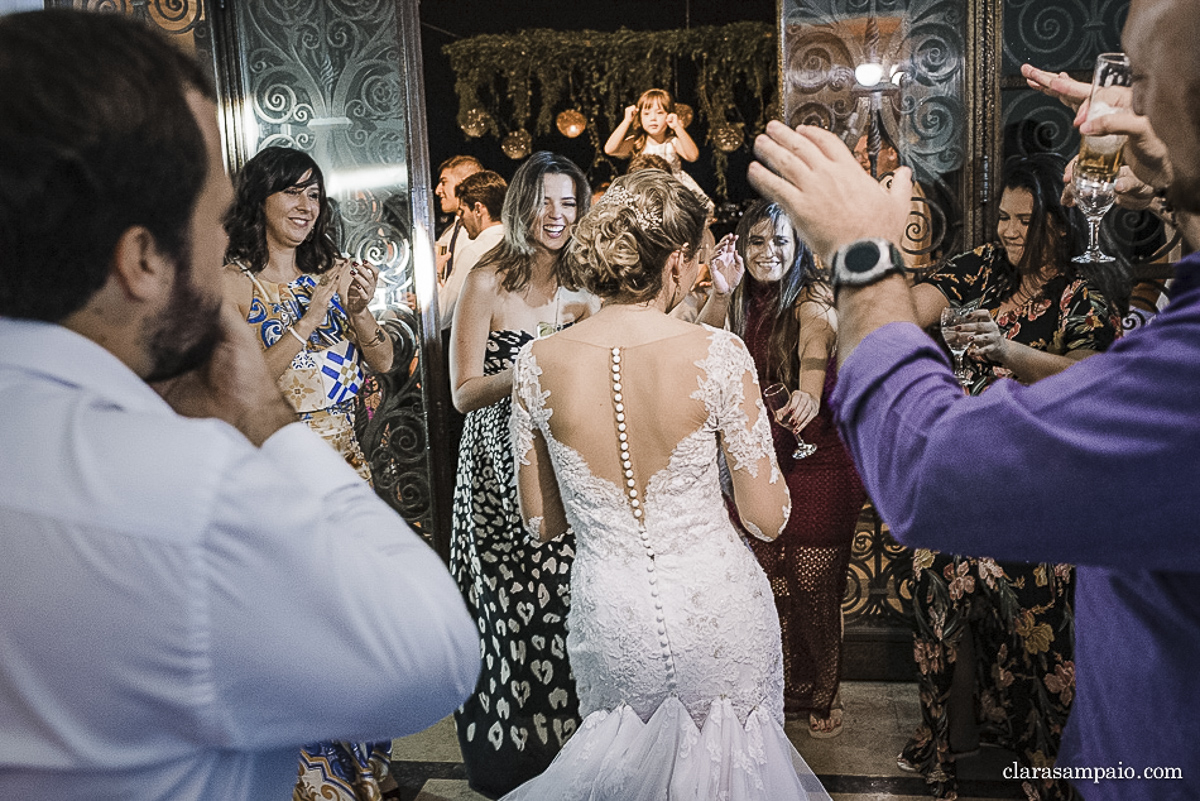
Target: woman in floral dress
994 642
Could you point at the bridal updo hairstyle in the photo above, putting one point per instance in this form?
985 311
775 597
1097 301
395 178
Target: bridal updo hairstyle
621 246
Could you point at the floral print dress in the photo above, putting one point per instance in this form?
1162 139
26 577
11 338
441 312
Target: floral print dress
1019 615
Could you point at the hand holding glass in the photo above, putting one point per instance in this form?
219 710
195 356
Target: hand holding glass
1095 173
957 341
776 397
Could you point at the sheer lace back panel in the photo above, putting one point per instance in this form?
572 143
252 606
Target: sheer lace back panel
677 395
653 594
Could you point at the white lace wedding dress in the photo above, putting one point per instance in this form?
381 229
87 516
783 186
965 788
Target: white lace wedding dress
673 634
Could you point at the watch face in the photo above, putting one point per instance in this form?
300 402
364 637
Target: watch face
861 257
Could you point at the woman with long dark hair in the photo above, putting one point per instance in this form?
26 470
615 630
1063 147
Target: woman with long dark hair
308 309
524 706
994 642
783 310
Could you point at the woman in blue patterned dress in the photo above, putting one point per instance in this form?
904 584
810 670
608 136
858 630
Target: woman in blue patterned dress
525 705
309 311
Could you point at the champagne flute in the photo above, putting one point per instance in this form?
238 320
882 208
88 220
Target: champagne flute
1095 172
1094 195
776 397
958 341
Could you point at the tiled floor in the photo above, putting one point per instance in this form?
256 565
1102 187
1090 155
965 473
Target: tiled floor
860 765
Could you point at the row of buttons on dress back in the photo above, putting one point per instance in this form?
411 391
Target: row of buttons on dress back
631 490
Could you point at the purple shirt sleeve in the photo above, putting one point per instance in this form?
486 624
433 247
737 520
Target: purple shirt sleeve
1098 465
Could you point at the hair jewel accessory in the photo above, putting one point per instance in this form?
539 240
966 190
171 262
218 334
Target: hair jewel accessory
620 196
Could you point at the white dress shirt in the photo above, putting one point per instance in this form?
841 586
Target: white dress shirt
467 254
180 610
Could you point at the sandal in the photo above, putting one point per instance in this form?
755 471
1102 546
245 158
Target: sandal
816 726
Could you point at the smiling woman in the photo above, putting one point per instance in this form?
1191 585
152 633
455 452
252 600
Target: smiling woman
309 312
783 310
308 309
524 706
1001 632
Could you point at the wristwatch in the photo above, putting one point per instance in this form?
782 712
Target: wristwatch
865 262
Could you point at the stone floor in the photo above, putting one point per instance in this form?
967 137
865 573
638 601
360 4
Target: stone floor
860 765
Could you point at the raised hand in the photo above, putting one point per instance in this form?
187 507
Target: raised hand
630 113
1144 151
672 120
1060 86
828 195
726 267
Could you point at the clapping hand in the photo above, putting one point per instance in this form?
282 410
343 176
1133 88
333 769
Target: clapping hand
726 267
361 289
328 284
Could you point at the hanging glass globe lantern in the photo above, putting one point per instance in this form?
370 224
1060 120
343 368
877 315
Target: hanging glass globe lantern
571 123
475 122
685 114
517 144
728 137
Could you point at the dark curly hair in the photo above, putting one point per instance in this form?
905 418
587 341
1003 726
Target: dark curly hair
273 170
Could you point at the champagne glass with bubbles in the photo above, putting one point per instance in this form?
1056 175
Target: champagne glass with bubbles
1095 173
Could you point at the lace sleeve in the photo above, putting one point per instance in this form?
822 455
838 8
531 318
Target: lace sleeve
521 423
537 488
730 384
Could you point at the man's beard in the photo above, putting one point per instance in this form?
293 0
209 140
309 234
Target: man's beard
184 336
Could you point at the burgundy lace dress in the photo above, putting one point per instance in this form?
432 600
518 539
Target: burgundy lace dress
807 563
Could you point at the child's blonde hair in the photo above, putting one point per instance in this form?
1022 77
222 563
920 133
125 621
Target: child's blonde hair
636 132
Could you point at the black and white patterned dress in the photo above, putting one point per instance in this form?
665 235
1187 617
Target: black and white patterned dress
524 707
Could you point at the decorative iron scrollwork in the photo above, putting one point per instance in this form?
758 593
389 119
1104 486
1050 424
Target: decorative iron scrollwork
912 54
326 78
391 426
879 590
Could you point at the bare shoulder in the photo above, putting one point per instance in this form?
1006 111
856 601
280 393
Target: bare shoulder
481 286
237 285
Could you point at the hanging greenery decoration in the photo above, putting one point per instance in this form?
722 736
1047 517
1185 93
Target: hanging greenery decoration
503 81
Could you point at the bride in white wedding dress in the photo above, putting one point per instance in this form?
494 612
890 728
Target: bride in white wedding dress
617 425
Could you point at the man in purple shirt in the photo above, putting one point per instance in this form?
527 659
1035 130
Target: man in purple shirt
1099 465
